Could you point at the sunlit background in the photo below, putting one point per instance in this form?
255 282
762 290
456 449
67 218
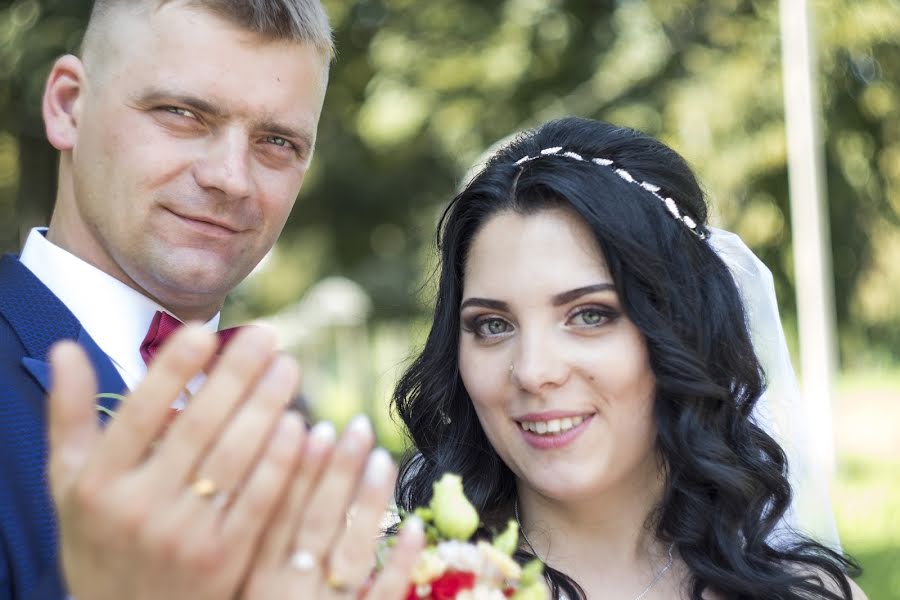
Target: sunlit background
421 89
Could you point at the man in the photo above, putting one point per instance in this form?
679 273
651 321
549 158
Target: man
185 130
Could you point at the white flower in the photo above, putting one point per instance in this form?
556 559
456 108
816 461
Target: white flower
460 556
480 592
496 565
429 567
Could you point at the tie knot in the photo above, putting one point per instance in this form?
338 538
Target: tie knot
164 325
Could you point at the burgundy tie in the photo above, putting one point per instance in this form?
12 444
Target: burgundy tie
163 325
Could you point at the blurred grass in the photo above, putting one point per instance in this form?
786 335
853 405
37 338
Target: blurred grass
866 492
867 504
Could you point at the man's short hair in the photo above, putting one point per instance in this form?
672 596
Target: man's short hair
303 21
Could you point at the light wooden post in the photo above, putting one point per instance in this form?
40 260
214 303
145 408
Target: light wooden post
810 229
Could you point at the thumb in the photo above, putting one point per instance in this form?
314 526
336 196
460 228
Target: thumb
73 428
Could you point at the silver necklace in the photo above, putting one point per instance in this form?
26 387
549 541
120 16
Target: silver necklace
649 587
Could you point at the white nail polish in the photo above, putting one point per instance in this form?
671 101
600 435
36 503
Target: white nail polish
322 433
414 525
378 466
359 424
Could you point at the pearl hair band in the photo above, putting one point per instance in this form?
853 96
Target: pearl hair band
669 203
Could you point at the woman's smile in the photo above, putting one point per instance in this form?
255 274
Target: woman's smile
546 433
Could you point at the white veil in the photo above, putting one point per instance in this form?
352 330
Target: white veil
782 410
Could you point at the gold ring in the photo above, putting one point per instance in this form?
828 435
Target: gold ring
336 584
204 488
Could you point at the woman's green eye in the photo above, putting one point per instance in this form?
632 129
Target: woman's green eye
491 327
591 317
496 326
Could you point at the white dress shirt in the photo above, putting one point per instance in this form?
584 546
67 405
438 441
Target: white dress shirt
116 316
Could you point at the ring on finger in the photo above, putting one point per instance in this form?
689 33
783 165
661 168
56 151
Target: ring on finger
205 487
337 584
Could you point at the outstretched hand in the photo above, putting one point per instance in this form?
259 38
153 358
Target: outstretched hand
233 499
313 549
147 511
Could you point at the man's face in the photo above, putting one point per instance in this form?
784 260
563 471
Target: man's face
191 141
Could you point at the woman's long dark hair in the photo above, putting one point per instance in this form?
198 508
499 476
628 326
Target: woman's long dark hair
726 483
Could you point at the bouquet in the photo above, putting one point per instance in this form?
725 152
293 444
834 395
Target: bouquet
452 566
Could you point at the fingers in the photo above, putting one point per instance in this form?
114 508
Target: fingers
73 428
247 357
260 496
278 542
325 515
253 508
393 582
354 554
245 437
145 412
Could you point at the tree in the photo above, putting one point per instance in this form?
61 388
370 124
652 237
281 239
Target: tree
420 89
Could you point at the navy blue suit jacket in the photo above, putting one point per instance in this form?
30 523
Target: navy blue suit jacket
32 318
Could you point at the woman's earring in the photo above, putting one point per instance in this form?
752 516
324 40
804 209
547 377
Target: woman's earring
445 418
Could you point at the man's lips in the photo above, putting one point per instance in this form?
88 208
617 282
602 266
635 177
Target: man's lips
207 225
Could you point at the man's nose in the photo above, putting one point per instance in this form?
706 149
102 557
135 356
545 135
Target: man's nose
226 167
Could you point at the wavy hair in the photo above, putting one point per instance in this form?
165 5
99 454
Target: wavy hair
726 485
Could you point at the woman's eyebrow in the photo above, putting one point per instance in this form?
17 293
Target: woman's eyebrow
558 299
484 303
566 297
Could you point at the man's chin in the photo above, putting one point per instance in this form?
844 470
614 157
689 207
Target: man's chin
203 290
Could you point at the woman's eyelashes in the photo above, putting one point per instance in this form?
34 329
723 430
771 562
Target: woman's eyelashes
592 316
582 318
487 326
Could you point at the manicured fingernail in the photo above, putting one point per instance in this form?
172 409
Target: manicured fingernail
322 433
359 424
357 435
378 467
414 525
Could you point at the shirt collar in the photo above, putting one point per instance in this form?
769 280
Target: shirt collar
115 315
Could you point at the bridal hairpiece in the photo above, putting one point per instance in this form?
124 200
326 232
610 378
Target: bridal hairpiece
669 203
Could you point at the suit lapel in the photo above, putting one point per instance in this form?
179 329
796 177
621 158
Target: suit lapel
40 319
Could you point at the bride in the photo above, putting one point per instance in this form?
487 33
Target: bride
590 373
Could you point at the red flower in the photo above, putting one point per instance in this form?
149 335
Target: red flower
451 583
445 587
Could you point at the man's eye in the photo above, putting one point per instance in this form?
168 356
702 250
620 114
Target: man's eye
181 112
279 141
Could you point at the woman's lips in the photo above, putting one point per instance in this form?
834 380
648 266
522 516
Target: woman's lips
552 430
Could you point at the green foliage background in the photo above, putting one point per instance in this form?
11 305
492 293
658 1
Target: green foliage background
422 88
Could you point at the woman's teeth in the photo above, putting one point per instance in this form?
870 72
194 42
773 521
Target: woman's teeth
551 427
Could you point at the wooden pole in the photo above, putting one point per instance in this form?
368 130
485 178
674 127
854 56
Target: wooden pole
810 227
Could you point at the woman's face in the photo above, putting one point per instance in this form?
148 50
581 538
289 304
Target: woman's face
558 375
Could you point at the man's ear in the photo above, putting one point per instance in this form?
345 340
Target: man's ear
62 101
